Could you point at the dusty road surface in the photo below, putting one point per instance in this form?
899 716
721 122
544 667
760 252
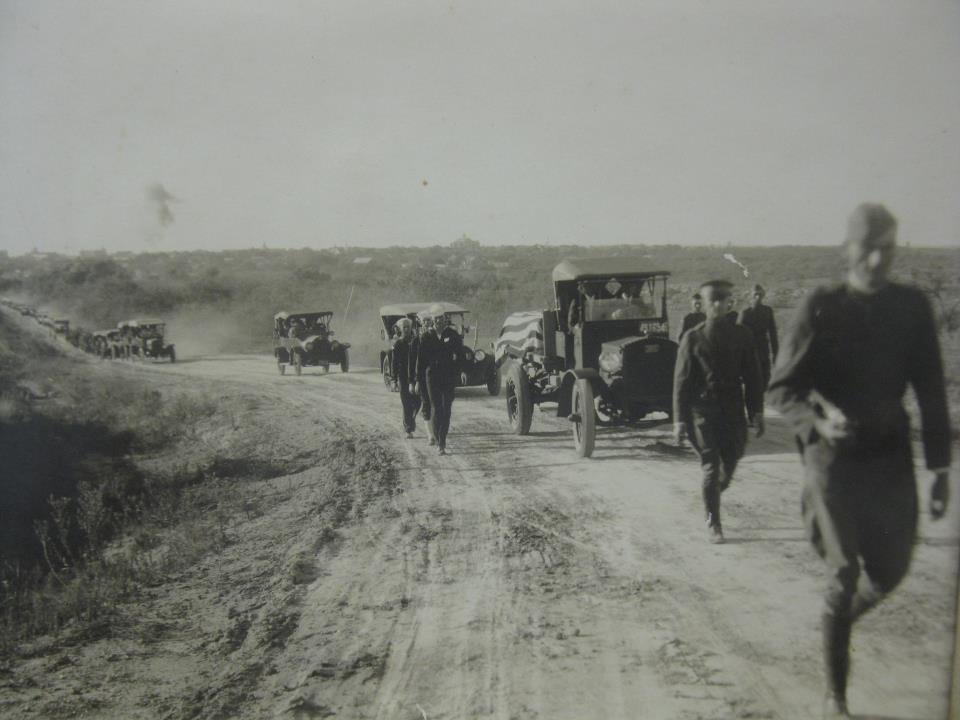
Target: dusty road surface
510 580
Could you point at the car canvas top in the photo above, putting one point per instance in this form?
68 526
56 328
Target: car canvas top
603 268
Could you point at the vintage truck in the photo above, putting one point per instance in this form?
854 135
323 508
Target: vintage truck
602 353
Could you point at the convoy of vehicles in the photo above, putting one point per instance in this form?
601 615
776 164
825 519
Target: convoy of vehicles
305 339
144 339
602 353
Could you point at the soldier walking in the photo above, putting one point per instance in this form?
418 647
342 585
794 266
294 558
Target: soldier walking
418 372
401 370
840 380
759 318
693 318
438 363
715 363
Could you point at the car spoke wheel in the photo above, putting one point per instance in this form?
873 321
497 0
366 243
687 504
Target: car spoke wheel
385 371
519 405
584 426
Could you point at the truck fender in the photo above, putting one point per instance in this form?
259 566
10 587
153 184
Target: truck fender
570 377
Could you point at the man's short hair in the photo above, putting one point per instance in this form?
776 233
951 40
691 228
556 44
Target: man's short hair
758 290
868 222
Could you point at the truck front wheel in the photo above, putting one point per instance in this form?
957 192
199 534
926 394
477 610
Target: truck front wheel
519 405
583 418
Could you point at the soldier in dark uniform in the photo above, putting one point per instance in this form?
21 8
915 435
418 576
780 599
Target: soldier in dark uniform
401 370
759 318
840 380
692 319
418 372
438 362
716 362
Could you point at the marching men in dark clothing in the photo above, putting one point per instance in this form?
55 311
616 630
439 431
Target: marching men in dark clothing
418 372
715 363
759 318
438 363
694 318
401 370
840 380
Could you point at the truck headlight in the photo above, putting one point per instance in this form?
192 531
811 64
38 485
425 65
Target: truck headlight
611 362
480 356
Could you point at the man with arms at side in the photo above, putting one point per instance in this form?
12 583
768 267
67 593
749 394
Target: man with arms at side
401 372
694 317
716 378
840 380
759 318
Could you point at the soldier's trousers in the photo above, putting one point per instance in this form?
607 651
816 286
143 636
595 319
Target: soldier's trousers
411 404
860 505
764 359
441 403
720 444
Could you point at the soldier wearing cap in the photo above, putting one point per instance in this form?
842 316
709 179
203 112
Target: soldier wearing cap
439 357
401 370
693 318
840 379
716 362
759 318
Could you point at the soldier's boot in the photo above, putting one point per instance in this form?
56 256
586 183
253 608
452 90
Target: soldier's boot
714 531
711 503
836 659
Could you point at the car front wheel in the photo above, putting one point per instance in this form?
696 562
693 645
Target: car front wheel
385 371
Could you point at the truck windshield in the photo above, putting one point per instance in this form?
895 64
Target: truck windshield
620 300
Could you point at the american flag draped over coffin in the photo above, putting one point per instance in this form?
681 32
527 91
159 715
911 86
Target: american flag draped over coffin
522 333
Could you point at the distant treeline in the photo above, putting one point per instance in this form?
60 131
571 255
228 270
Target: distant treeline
235 293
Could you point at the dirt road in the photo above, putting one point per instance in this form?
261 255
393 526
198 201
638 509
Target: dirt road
511 580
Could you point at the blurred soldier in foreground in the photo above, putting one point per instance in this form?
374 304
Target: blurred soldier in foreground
693 318
715 362
438 362
401 370
759 318
840 379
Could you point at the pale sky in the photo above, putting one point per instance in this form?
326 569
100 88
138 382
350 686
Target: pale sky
313 124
